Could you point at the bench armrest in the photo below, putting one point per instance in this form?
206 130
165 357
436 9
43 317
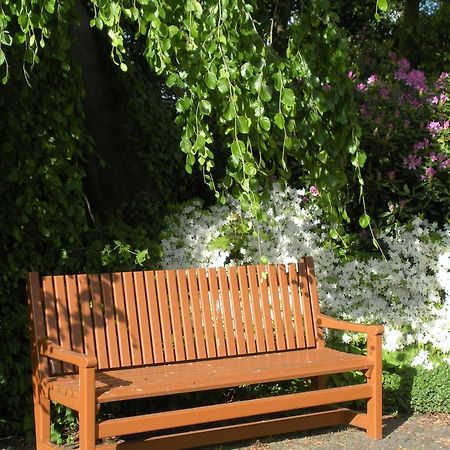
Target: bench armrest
324 321
48 348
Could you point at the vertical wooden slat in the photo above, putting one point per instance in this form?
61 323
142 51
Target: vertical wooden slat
217 312
287 312
155 325
99 322
174 303
256 308
74 313
110 320
294 285
306 302
266 310
51 318
315 308
144 328
63 317
121 319
133 326
246 309
275 297
206 313
164 316
186 314
196 314
236 304
227 316
86 316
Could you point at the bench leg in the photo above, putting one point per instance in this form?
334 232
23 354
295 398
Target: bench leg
87 412
42 421
374 404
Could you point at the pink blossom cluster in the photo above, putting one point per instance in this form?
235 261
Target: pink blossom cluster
414 78
435 127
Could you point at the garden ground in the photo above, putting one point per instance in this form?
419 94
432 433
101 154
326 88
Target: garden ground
417 432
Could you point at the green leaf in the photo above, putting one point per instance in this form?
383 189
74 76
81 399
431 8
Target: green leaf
205 107
123 67
279 120
264 123
223 85
364 220
334 234
288 97
50 6
278 81
172 79
244 124
2 57
211 80
382 5
237 149
246 70
219 243
173 30
230 112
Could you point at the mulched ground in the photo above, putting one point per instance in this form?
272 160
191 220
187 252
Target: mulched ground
418 432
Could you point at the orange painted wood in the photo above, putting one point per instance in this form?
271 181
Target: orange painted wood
217 306
51 319
131 312
63 316
207 313
121 319
233 410
99 322
244 431
138 335
266 310
186 314
306 306
110 320
256 308
295 289
238 327
122 384
74 313
142 318
196 314
288 318
276 308
227 314
153 311
174 304
246 309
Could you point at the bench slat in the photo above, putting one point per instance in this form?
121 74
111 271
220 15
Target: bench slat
294 283
275 308
155 326
143 320
265 306
177 330
238 327
110 320
99 321
246 310
227 314
206 313
121 319
256 308
196 313
166 328
217 306
286 304
307 311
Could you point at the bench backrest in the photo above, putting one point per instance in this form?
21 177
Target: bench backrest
150 317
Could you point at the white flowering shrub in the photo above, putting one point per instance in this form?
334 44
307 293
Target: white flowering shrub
409 291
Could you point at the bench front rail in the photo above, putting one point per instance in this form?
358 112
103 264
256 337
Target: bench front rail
102 338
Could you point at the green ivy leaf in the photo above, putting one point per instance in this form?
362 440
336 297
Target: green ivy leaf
279 120
211 80
382 5
223 85
237 149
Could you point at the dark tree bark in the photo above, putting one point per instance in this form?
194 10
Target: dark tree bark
408 31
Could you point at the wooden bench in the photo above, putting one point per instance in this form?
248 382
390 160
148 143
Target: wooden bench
112 337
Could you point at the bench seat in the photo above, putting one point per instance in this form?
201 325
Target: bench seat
176 378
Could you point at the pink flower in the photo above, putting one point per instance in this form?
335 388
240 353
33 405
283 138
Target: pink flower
444 164
391 175
351 75
446 125
430 172
361 87
384 92
364 111
434 127
443 98
415 103
372 79
435 100
412 162
314 191
416 79
326 87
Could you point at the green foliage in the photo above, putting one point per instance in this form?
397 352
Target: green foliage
431 390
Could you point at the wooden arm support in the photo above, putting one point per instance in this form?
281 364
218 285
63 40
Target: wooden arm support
324 321
48 348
